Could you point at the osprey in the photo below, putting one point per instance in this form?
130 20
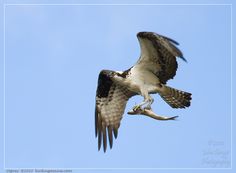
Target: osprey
156 65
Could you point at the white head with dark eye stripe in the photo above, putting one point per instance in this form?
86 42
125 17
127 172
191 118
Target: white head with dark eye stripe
116 74
109 73
120 77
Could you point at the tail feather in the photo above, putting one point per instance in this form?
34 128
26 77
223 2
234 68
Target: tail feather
175 98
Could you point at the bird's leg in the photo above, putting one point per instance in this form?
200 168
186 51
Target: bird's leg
139 106
147 100
150 101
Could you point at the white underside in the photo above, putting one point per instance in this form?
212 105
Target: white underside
141 81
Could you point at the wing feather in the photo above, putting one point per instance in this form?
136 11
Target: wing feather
158 54
111 100
110 135
104 137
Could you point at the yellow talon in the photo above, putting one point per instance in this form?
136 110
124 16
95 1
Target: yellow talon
136 108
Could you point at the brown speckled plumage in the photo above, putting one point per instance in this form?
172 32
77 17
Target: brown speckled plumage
156 65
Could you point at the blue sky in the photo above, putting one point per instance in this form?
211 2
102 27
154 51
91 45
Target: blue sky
53 54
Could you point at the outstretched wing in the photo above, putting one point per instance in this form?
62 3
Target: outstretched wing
111 100
158 55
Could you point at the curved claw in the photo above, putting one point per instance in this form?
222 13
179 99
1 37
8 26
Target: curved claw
136 108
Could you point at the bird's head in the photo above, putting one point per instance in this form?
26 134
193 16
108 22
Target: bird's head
115 76
118 77
109 73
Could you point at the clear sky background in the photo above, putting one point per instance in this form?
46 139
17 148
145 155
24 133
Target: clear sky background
53 55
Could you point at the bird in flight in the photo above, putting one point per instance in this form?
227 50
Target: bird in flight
156 65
